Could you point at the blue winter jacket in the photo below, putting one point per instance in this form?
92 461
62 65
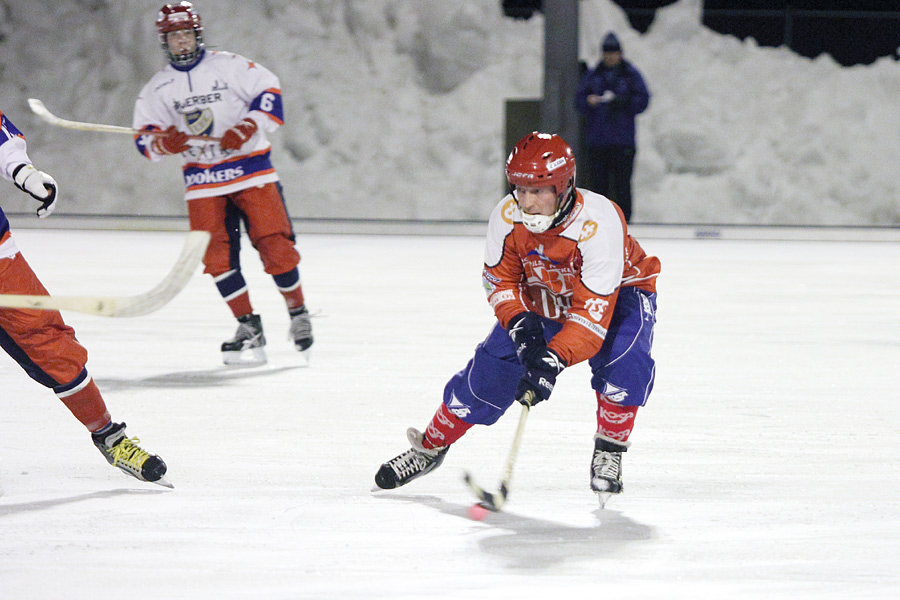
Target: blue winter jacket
612 123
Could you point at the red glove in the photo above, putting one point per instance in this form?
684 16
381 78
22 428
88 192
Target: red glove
235 137
173 142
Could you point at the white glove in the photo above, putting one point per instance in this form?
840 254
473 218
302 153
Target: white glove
607 96
39 185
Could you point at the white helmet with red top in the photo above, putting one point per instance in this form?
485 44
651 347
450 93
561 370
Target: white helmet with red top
173 17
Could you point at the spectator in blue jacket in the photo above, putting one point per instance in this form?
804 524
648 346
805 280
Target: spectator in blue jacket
610 97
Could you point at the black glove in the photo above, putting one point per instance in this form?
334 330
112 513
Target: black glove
540 377
527 332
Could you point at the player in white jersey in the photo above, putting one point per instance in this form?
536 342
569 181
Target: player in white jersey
40 341
228 182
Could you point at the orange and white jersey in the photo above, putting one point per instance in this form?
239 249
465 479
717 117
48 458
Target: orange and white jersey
570 273
209 98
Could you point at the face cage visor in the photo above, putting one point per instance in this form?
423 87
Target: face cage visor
189 58
536 223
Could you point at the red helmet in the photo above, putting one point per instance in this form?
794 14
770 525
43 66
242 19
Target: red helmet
173 17
538 160
541 159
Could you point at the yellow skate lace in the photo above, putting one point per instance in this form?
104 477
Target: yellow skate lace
128 451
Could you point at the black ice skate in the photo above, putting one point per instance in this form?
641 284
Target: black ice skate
606 467
300 331
413 463
123 452
249 337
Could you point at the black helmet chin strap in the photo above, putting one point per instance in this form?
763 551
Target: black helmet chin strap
566 202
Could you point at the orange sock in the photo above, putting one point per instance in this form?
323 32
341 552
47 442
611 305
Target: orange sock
293 299
240 305
86 404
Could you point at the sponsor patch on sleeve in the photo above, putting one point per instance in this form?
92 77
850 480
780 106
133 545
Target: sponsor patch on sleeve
501 296
589 325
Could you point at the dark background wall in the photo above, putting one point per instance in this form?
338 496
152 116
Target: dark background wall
857 32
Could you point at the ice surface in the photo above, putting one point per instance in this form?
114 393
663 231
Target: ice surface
764 465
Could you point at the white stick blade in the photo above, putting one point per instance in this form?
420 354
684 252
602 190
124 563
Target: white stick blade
133 306
194 248
38 108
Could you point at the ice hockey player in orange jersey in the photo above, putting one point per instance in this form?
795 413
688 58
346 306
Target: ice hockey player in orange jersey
40 341
567 284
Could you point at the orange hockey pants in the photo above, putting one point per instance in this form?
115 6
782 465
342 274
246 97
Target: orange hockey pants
265 218
38 340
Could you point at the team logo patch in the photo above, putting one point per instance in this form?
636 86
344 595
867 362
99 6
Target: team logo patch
587 231
458 408
596 307
614 393
509 210
648 308
199 122
539 252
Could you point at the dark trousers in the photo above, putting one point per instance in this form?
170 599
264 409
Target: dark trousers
623 370
609 171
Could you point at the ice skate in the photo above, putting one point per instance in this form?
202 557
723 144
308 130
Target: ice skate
123 452
413 463
246 347
606 467
300 331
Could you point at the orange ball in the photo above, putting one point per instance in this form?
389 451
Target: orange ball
477 512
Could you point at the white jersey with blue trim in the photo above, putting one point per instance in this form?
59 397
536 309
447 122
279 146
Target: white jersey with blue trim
212 96
12 148
12 154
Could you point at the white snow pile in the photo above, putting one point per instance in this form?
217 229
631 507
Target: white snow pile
394 110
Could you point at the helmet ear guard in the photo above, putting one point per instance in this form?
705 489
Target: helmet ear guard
538 160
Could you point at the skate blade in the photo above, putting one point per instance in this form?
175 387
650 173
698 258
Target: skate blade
164 483
252 357
304 352
603 497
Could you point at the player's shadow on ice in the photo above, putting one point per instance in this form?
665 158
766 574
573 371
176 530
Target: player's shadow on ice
26 507
530 543
192 379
